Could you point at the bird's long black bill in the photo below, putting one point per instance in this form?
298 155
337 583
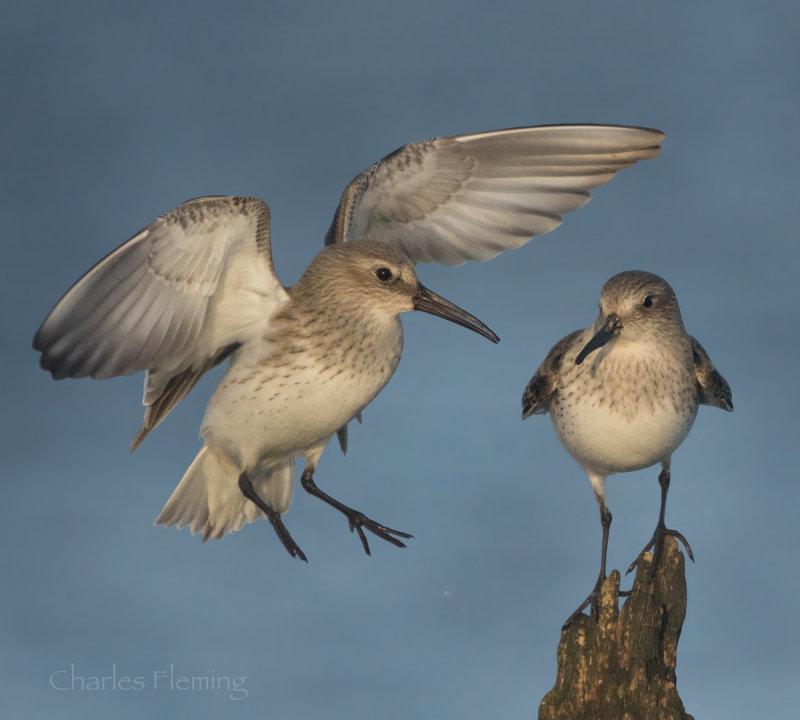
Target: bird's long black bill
610 329
430 302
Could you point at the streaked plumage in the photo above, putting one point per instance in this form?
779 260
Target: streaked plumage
197 286
624 392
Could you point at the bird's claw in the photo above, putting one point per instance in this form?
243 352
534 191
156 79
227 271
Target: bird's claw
288 541
657 545
592 600
357 520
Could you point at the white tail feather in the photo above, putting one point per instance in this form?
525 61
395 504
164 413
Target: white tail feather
208 499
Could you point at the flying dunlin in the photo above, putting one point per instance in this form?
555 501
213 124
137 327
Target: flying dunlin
197 286
624 392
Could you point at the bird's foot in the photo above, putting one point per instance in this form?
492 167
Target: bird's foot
592 601
357 521
247 489
657 545
285 537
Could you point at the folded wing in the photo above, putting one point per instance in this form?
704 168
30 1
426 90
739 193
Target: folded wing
543 385
712 388
174 300
469 197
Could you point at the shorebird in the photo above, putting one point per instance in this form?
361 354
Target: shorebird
197 286
624 392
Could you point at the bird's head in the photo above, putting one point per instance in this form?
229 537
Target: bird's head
634 305
378 278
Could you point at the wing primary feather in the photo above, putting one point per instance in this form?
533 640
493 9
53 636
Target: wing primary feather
177 388
174 300
468 183
544 384
713 389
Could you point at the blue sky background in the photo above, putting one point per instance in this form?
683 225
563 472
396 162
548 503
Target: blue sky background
115 112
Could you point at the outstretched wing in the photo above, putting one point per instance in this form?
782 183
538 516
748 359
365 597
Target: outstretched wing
712 387
174 300
469 197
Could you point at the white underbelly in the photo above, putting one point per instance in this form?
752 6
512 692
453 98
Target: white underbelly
606 442
254 416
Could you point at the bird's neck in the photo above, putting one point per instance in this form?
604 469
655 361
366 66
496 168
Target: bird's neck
362 339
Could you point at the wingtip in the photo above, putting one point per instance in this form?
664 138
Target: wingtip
526 412
143 432
40 346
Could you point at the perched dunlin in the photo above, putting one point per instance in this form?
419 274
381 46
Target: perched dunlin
197 286
624 392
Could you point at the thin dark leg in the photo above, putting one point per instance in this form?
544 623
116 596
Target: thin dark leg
354 517
274 517
594 596
661 531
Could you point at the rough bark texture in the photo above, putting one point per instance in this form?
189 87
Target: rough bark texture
622 667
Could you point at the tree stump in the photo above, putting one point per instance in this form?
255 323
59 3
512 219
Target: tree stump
622 667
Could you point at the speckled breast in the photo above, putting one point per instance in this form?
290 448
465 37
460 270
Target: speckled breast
619 412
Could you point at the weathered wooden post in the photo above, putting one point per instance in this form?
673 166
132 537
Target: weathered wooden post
622 667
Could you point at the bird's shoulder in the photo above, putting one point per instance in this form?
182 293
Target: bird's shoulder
544 383
712 387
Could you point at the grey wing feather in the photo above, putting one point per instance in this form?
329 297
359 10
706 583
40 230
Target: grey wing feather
178 387
543 385
172 300
712 387
341 434
469 197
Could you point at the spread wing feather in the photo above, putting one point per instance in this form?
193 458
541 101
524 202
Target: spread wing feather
469 197
174 300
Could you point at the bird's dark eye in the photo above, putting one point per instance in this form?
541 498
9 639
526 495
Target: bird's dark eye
648 301
384 274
